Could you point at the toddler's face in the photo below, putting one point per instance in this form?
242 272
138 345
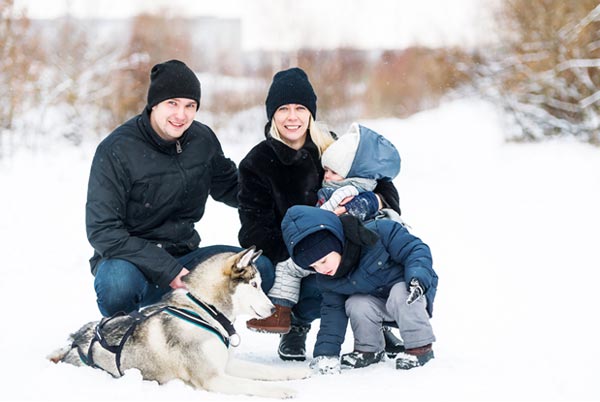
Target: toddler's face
330 175
329 264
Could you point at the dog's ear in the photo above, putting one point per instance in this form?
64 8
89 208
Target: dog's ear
256 255
246 258
240 262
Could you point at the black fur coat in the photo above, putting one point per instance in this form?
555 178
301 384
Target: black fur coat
272 178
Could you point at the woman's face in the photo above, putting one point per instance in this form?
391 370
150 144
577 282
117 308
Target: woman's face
292 121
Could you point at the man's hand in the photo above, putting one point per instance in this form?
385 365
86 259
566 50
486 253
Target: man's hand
177 283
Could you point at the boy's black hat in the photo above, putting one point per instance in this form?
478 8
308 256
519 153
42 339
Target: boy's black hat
314 247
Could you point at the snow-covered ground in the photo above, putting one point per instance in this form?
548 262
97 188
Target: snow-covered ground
513 229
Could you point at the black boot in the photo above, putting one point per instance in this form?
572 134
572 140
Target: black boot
415 357
393 345
359 359
292 346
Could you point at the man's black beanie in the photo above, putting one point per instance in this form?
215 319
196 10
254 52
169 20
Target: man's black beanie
172 79
291 86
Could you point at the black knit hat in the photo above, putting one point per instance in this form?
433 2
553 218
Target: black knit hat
314 247
291 86
172 79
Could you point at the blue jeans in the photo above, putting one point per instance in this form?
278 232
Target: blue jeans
121 287
308 307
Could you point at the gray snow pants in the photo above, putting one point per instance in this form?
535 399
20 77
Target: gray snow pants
367 313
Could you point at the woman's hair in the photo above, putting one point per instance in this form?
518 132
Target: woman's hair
319 134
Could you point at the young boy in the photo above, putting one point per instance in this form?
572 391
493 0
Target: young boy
352 165
369 274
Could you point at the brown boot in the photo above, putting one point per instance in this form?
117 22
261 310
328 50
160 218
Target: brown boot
278 323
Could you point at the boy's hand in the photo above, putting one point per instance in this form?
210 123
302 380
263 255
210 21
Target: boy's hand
415 291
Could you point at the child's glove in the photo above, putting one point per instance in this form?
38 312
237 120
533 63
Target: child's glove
415 291
338 196
363 206
326 365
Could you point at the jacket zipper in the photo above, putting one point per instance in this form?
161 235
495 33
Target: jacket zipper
178 147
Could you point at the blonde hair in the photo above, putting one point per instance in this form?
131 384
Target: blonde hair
319 134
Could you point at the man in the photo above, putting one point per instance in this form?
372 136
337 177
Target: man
148 186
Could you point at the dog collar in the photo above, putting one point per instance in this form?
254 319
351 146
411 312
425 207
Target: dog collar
234 338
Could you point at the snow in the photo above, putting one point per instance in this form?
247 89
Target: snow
512 228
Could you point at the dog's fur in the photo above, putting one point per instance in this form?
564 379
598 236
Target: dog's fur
164 347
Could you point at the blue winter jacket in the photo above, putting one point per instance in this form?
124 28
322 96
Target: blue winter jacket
397 256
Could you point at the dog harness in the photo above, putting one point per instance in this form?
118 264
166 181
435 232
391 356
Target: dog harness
189 316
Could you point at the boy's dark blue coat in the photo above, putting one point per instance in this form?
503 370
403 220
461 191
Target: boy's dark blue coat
397 256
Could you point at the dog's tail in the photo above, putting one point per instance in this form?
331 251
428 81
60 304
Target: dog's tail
69 353
59 355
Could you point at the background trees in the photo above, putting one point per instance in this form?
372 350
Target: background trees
546 72
72 79
21 61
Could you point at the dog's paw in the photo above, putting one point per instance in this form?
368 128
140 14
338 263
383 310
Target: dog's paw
283 393
297 373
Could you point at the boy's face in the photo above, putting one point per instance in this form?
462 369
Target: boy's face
330 175
329 264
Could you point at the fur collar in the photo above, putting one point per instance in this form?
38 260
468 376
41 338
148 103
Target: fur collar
289 156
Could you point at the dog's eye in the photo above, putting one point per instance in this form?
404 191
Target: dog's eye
254 284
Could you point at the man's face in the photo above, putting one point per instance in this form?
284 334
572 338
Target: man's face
329 264
170 118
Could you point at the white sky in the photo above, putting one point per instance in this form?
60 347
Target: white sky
284 24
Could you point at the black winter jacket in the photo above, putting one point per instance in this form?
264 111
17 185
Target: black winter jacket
274 177
145 195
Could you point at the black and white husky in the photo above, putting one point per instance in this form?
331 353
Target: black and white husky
187 335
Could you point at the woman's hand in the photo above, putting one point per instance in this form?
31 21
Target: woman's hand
341 209
363 206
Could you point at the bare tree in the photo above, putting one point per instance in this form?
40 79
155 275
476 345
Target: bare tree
338 77
547 72
154 38
81 83
20 65
403 82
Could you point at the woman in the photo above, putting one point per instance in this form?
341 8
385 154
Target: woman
282 171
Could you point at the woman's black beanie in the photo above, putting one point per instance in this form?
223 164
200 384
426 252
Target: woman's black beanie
291 86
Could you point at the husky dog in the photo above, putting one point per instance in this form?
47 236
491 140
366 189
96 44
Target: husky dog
187 335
